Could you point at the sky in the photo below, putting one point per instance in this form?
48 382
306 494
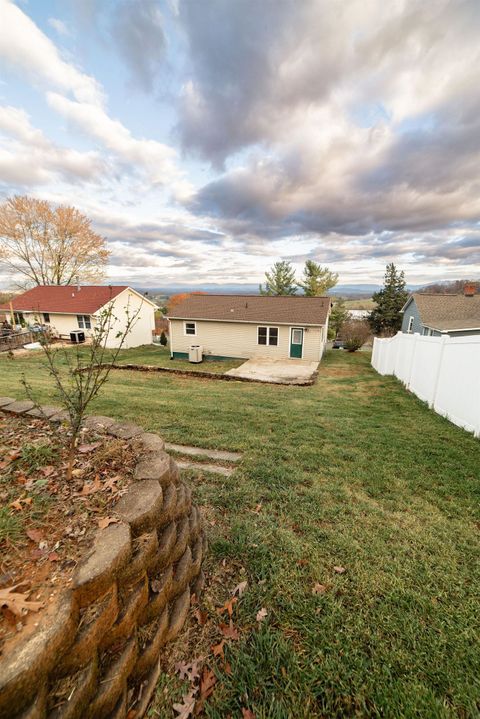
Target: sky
208 139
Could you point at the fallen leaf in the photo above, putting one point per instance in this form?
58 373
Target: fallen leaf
339 570
47 471
105 522
302 562
258 509
36 535
17 602
111 482
217 649
228 668
53 557
185 710
78 472
319 588
207 683
86 448
200 616
240 588
247 714
261 614
229 631
89 487
228 606
188 670
20 504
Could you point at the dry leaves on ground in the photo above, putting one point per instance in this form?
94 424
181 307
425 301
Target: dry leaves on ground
105 522
240 588
228 606
339 570
247 714
261 614
17 602
319 588
229 631
185 710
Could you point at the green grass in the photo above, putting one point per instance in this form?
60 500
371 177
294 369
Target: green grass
160 357
353 471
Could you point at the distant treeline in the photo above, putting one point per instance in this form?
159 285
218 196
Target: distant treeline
452 287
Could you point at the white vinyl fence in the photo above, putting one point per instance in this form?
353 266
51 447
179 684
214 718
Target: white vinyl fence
443 371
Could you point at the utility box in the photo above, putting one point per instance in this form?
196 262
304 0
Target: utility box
195 353
77 336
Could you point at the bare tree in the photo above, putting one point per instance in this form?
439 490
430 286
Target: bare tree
47 245
79 373
355 333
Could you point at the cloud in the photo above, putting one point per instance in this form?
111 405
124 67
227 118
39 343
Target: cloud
137 29
24 46
60 26
28 158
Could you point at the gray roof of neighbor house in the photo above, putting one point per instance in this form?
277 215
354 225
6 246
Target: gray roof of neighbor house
448 312
291 310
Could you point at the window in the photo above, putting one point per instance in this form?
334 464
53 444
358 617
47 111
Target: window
84 322
18 318
267 336
46 317
190 328
410 324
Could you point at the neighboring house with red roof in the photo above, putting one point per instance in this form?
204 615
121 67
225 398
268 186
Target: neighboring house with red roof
247 326
65 308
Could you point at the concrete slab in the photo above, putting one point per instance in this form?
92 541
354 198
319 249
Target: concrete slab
203 467
218 454
279 371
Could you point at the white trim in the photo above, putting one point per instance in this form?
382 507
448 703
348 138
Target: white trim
267 343
189 334
246 322
170 338
127 289
292 328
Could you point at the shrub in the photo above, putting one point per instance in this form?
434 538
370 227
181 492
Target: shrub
163 339
355 333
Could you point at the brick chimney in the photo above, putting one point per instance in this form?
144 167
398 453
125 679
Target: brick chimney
469 290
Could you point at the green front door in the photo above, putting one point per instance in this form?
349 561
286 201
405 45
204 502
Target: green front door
296 342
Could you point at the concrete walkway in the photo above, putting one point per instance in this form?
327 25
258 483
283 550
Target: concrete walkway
285 371
217 454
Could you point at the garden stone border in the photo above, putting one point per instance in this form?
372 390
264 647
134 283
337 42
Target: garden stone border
136 583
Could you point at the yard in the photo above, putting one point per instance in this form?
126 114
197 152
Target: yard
352 473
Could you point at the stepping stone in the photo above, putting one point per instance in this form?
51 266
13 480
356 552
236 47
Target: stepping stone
19 407
199 451
215 468
6 400
45 411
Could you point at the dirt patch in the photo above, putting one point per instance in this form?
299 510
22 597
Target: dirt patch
47 524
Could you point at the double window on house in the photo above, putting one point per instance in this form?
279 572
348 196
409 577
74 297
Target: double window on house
267 336
84 322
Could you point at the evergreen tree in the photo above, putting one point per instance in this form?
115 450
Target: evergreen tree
386 318
163 339
338 316
317 280
280 280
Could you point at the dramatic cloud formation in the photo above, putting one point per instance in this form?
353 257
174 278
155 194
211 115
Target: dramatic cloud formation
209 139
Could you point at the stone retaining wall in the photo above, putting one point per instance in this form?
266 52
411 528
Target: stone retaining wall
129 597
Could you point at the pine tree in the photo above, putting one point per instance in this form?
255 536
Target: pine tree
163 339
386 318
338 316
280 280
317 280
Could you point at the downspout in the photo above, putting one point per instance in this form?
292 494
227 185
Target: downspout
170 337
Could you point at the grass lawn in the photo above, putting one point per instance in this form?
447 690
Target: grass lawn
352 472
160 357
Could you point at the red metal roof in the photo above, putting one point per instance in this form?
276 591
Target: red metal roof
65 299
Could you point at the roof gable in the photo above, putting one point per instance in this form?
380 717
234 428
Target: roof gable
255 308
65 299
448 312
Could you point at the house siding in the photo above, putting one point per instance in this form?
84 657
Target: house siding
412 311
239 340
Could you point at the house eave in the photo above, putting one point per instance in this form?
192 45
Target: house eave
249 322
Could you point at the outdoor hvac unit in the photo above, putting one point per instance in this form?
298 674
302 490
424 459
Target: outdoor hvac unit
77 336
195 353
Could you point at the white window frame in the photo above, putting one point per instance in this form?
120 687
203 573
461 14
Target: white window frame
84 322
268 328
189 334
411 320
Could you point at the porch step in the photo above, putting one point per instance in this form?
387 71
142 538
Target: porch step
199 451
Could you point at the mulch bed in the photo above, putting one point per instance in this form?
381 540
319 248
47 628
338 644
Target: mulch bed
46 523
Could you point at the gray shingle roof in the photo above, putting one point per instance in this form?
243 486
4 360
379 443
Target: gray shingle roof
448 312
254 308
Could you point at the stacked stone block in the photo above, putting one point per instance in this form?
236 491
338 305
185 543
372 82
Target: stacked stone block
129 596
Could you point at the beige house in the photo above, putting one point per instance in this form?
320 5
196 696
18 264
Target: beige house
66 308
246 326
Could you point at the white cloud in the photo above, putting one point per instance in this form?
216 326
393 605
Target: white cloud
60 26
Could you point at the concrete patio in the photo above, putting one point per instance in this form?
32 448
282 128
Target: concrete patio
281 371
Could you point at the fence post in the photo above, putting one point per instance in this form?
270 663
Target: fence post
445 338
412 360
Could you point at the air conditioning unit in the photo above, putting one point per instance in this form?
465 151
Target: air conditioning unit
195 353
77 336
